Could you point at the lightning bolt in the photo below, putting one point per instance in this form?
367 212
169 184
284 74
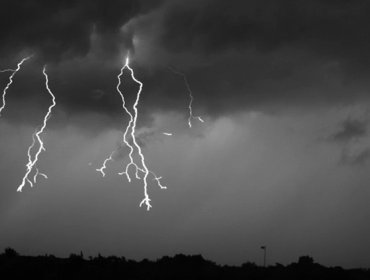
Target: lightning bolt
14 72
130 134
104 166
190 107
36 137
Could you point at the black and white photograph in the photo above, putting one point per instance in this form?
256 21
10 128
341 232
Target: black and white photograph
185 139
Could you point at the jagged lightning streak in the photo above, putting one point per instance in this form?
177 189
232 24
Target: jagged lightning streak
130 133
191 116
146 171
36 136
104 166
14 72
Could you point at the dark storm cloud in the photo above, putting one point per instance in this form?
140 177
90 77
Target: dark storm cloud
259 54
63 28
238 55
333 28
350 129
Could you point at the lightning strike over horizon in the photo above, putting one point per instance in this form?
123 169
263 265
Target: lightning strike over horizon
32 162
190 107
130 133
14 72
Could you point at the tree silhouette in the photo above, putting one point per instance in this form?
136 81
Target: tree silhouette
10 253
179 267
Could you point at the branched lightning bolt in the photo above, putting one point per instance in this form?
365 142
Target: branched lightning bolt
14 71
36 136
191 116
104 166
130 133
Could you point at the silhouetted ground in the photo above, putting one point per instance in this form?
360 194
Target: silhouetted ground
14 266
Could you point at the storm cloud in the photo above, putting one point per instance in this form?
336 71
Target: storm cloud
62 29
242 55
281 159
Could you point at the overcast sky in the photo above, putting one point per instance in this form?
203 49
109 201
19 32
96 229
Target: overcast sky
282 158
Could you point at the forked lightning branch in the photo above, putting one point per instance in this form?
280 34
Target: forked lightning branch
136 164
141 170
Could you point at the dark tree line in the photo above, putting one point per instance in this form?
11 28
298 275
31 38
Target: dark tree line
15 266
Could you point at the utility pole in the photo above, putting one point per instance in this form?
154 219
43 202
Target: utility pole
264 248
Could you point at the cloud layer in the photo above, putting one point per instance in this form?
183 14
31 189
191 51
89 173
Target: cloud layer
281 159
262 55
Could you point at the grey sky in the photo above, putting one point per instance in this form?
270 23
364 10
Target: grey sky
281 160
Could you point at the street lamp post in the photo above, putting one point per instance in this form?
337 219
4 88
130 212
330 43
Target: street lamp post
264 248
